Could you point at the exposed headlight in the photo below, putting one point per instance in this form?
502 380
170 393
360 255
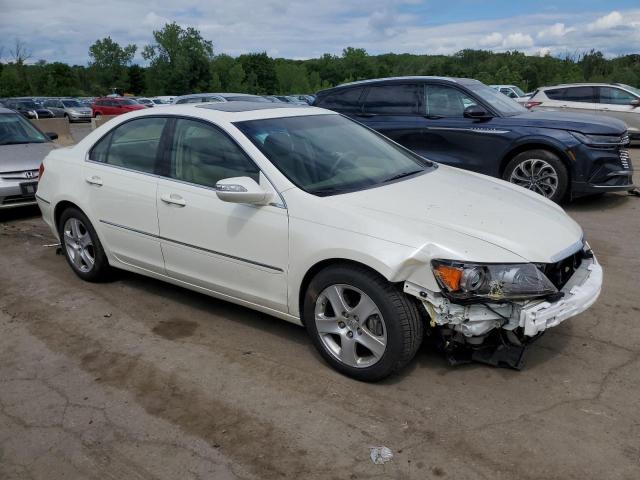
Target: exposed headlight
466 281
601 140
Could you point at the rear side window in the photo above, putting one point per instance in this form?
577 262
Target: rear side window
572 94
203 155
394 99
343 100
615 96
133 145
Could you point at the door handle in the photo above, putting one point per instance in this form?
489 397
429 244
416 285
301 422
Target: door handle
173 199
94 180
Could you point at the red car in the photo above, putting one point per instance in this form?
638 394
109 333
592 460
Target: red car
114 106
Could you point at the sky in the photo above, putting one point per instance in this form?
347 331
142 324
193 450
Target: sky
63 30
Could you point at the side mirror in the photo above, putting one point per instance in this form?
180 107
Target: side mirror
51 135
476 111
242 190
635 102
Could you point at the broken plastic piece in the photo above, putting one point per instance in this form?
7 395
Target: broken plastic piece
380 455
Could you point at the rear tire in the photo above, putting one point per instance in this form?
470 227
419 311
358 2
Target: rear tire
379 330
540 171
81 246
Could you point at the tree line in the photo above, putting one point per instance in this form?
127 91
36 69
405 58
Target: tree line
180 60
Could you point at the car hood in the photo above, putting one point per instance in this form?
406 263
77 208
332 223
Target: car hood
578 122
417 211
80 109
24 156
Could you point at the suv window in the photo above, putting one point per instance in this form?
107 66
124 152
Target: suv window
203 155
343 100
572 94
615 96
133 145
393 99
444 101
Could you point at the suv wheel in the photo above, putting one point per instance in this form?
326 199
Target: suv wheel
362 325
81 246
540 171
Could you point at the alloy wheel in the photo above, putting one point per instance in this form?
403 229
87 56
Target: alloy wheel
536 175
79 245
350 325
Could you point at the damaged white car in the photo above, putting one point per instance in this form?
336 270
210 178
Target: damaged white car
308 216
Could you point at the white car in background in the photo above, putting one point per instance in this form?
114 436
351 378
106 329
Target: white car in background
613 100
306 215
512 91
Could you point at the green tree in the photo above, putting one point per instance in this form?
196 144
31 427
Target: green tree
179 60
136 79
261 73
235 82
109 63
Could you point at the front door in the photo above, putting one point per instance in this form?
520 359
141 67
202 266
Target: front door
615 102
456 140
121 187
233 249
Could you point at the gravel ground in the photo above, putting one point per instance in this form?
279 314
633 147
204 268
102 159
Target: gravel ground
136 379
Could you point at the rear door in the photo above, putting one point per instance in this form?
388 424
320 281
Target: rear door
396 110
581 99
121 182
616 102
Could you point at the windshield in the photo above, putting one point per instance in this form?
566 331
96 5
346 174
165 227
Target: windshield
247 98
16 129
504 105
128 102
28 104
71 104
330 154
631 89
518 91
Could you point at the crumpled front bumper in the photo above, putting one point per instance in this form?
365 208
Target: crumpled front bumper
580 292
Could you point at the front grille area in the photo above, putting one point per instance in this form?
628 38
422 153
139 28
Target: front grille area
560 272
13 199
20 175
625 160
624 140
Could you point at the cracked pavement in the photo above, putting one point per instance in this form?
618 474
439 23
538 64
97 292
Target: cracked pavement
136 379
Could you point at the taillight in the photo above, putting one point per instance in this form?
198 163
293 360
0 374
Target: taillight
41 171
530 105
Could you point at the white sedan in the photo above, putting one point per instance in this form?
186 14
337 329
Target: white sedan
306 215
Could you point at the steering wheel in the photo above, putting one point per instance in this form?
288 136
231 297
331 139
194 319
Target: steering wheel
342 158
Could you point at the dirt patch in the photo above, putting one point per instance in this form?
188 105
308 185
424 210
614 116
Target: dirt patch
175 328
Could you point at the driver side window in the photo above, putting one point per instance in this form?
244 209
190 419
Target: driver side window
203 155
444 101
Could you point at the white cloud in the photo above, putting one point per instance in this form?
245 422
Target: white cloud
554 31
518 40
492 40
613 19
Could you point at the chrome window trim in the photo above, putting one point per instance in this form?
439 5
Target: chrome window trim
282 204
177 242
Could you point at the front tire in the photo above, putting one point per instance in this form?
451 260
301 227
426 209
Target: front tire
362 325
82 247
540 171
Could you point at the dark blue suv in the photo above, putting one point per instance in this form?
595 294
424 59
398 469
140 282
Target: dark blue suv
464 123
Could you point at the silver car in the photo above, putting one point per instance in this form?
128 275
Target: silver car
22 148
613 100
69 108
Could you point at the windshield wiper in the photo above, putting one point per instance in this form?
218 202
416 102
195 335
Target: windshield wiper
433 117
326 191
17 142
401 175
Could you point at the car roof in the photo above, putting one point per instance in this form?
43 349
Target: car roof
461 81
227 112
582 84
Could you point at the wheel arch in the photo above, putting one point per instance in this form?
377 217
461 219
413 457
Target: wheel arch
60 207
323 264
536 144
